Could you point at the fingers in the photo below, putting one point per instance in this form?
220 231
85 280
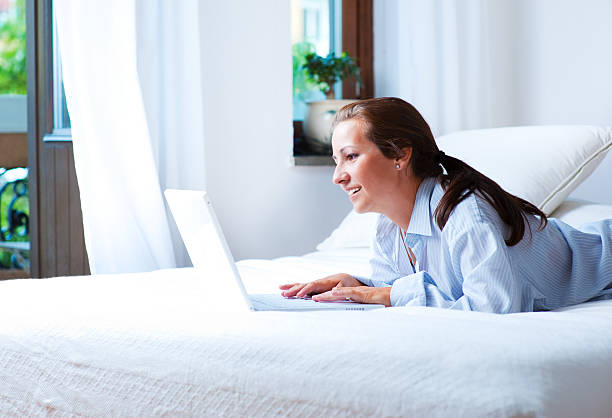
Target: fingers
318 286
291 290
340 293
301 290
361 294
311 288
287 286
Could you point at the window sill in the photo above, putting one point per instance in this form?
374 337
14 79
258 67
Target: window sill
304 154
312 160
58 135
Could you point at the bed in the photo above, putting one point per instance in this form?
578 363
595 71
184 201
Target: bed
151 344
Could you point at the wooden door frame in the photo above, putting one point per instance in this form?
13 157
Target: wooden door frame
36 26
56 228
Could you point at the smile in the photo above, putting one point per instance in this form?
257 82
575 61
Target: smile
352 191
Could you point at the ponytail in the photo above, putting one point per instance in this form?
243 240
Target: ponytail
461 180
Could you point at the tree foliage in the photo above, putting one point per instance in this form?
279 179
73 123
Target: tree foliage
13 52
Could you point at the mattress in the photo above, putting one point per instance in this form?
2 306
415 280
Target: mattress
153 344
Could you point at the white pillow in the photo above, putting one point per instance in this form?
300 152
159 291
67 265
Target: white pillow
541 164
355 230
578 212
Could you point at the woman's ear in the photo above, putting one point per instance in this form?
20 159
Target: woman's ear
404 159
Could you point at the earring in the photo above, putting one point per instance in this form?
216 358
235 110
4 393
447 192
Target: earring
397 166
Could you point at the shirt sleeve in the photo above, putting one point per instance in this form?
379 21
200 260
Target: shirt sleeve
479 257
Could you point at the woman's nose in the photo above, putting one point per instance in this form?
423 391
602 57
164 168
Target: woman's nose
340 176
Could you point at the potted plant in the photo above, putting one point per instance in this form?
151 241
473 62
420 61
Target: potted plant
322 73
325 72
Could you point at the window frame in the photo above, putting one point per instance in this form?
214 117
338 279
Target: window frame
358 42
40 108
54 81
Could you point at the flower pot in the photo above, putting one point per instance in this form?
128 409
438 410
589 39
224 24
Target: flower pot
317 123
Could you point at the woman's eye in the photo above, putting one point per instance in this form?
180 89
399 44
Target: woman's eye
351 157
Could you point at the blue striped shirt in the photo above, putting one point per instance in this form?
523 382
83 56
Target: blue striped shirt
468 265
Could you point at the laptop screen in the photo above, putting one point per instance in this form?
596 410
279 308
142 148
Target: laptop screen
206 246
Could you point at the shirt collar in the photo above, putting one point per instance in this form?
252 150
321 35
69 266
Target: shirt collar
420 220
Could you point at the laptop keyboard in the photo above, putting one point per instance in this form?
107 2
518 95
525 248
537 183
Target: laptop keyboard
276 302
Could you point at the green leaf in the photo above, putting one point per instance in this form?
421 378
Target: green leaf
314 71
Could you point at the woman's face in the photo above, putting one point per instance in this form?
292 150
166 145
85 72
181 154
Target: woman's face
368 177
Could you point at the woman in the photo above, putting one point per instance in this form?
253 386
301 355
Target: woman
449 236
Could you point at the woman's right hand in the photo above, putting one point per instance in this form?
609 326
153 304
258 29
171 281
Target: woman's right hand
300 290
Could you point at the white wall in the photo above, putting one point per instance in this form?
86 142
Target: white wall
564 72
267 207
551 62
451 59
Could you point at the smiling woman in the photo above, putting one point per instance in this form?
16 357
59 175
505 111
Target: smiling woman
448 236
372 181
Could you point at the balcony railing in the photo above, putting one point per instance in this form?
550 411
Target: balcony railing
14 223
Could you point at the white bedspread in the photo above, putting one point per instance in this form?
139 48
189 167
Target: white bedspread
147 344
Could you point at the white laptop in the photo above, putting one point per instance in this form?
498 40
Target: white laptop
209 253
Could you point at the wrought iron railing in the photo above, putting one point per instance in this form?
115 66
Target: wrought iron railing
14 219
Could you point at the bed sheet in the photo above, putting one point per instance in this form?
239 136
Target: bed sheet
149 345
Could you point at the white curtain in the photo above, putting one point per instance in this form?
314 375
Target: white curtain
134 133
440 55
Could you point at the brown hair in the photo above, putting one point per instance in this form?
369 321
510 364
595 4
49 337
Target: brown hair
393 124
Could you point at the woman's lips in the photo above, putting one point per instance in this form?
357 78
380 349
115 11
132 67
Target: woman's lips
353 191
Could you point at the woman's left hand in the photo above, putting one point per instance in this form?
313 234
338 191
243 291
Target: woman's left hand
361 294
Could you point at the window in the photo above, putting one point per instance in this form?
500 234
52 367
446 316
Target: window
324 27
315 27
13 84
14 203
61 119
